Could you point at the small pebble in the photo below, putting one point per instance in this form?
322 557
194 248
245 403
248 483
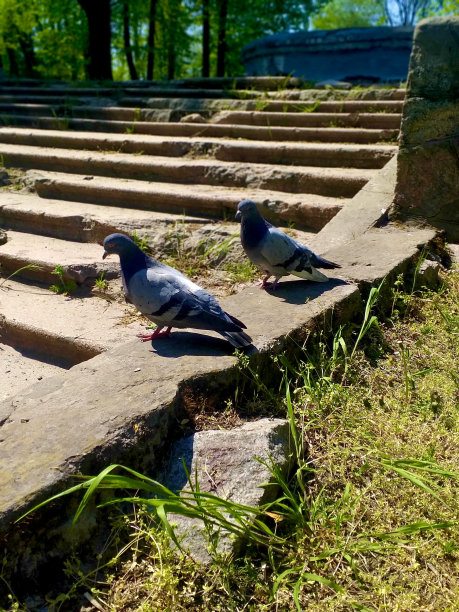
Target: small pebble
40 377
137 370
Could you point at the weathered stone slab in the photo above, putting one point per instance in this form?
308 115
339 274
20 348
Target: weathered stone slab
381 252
227 466
364 211
428 170
123 405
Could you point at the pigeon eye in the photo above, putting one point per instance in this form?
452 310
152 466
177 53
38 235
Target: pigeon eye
111 244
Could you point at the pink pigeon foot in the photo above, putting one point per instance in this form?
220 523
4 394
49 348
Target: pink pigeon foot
264 283
271 286
156 334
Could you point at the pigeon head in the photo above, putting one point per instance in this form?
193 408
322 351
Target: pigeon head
247 209
120 245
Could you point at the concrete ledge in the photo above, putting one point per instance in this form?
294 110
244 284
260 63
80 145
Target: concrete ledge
124 405
428 171
126 401
366 209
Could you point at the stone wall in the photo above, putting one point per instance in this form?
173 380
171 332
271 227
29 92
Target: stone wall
375 54
428 162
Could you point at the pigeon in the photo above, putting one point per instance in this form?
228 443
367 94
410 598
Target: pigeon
274 252
167 297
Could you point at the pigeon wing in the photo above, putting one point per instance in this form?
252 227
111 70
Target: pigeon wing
169 298
284 253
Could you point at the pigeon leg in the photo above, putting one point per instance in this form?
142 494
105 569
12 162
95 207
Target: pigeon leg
156 334
264 283
272 286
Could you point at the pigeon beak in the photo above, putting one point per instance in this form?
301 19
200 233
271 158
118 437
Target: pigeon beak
238 215
105 255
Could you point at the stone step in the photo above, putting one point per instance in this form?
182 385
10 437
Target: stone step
63 329
205 92
199 105
312 119
178 107
342 182
20 368
306 210
50 99
250 132
80 261
292 119
305 154
255 82
80 221
161 92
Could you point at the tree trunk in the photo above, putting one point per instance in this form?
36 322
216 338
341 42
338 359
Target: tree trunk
127 43
221 45
171 63
13 64
26 44
205 39
99 28
151 40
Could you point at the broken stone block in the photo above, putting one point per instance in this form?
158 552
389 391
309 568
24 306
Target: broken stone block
193 118
333 83
227 466
428 275
428 173
4 178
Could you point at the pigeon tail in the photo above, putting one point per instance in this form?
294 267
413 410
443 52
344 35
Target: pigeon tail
239 340
321 262
236 321
311 274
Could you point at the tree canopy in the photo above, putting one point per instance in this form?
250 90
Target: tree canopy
161 39
349 14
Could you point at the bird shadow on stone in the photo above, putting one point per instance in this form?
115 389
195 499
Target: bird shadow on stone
302 291
192 343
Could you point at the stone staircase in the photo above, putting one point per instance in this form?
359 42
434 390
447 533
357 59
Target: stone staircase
143 157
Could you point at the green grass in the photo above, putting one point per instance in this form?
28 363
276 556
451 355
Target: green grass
62 286
369 518
241 272
18 271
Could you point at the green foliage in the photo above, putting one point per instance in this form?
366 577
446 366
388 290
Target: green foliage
60 40
49 38
141 242
348 14
101 283
440 8
19 270
241 272
43 38
63 286
248 21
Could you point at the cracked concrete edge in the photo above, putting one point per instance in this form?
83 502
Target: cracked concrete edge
107 408
364 211
126 405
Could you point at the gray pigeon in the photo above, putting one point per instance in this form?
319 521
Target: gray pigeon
169 298
276 253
